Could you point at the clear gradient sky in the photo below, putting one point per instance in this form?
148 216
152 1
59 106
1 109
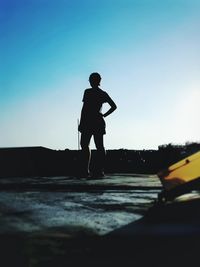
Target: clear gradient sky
147 51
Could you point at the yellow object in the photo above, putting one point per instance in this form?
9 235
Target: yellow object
181 172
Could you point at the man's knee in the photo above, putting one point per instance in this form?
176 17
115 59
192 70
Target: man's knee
84 146
85 141
98 139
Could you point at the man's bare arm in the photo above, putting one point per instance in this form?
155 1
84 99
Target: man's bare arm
112 108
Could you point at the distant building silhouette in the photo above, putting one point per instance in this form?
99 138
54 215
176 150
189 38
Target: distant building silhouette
41 161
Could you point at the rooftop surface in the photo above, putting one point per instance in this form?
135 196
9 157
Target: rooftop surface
115 221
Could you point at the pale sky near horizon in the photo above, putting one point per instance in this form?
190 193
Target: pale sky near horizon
147 52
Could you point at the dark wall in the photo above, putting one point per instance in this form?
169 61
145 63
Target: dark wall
40 161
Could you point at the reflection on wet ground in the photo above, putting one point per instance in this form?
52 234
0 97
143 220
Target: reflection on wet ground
93 207
62 221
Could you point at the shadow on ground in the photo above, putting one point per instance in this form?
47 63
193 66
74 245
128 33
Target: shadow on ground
154 240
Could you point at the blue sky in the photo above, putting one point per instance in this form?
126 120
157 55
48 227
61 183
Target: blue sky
147 51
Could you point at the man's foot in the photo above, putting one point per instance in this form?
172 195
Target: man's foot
83 175
97 175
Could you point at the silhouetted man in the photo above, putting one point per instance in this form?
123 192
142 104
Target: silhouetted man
92 123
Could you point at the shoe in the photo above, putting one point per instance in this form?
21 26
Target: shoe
97 175
83 175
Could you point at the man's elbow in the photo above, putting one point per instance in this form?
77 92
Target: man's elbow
114 107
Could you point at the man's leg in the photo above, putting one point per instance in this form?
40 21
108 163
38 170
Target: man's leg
98 139
85 141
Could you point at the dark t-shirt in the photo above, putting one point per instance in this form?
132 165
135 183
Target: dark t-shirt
91 118
94 99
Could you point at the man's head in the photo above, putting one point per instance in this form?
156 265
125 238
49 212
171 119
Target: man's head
95 79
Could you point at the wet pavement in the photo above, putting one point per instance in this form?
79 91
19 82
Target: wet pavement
74 206
115 221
